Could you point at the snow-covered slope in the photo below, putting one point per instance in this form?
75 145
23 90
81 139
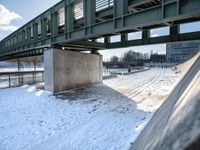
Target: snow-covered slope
176 124
104 116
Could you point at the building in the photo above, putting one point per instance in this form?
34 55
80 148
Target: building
158 58
181 51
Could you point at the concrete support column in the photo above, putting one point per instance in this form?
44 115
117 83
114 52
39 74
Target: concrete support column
65 70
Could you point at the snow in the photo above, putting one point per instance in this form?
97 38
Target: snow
103 116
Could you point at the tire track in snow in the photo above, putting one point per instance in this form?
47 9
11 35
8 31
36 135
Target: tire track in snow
141 88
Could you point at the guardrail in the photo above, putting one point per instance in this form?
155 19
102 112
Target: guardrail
19 78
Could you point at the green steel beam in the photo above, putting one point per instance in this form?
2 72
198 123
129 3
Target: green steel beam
156 40
86 44
22 54
89 15
120 9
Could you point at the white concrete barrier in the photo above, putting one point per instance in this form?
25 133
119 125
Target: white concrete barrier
65 70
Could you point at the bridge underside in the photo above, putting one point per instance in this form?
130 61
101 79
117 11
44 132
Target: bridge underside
78 24
84 45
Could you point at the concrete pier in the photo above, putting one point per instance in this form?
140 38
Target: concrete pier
64 70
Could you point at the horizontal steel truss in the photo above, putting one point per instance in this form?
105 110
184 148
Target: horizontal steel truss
87 45
168 12
173 36
24 53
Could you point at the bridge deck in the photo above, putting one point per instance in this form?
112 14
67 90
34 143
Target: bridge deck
76 24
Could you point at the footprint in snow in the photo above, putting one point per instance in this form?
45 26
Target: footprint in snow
143 118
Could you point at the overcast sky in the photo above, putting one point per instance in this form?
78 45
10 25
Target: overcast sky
15 13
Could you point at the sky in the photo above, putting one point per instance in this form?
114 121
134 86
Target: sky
15 13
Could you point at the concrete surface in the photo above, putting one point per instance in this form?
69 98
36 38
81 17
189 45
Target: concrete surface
176 125
65 70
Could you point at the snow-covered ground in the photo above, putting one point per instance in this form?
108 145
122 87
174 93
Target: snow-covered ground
106 116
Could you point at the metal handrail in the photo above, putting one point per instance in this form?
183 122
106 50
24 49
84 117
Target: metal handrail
20 72
20 75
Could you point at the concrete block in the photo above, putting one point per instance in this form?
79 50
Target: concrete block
64 70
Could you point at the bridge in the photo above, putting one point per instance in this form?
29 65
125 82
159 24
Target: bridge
71 26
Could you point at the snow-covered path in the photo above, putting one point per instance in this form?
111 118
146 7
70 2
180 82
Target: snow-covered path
148 89
104 116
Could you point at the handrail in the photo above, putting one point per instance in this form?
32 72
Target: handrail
21 76
20 72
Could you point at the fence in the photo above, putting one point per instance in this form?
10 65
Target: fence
19 78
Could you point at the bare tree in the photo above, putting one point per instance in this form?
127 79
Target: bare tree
132 56
114 59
